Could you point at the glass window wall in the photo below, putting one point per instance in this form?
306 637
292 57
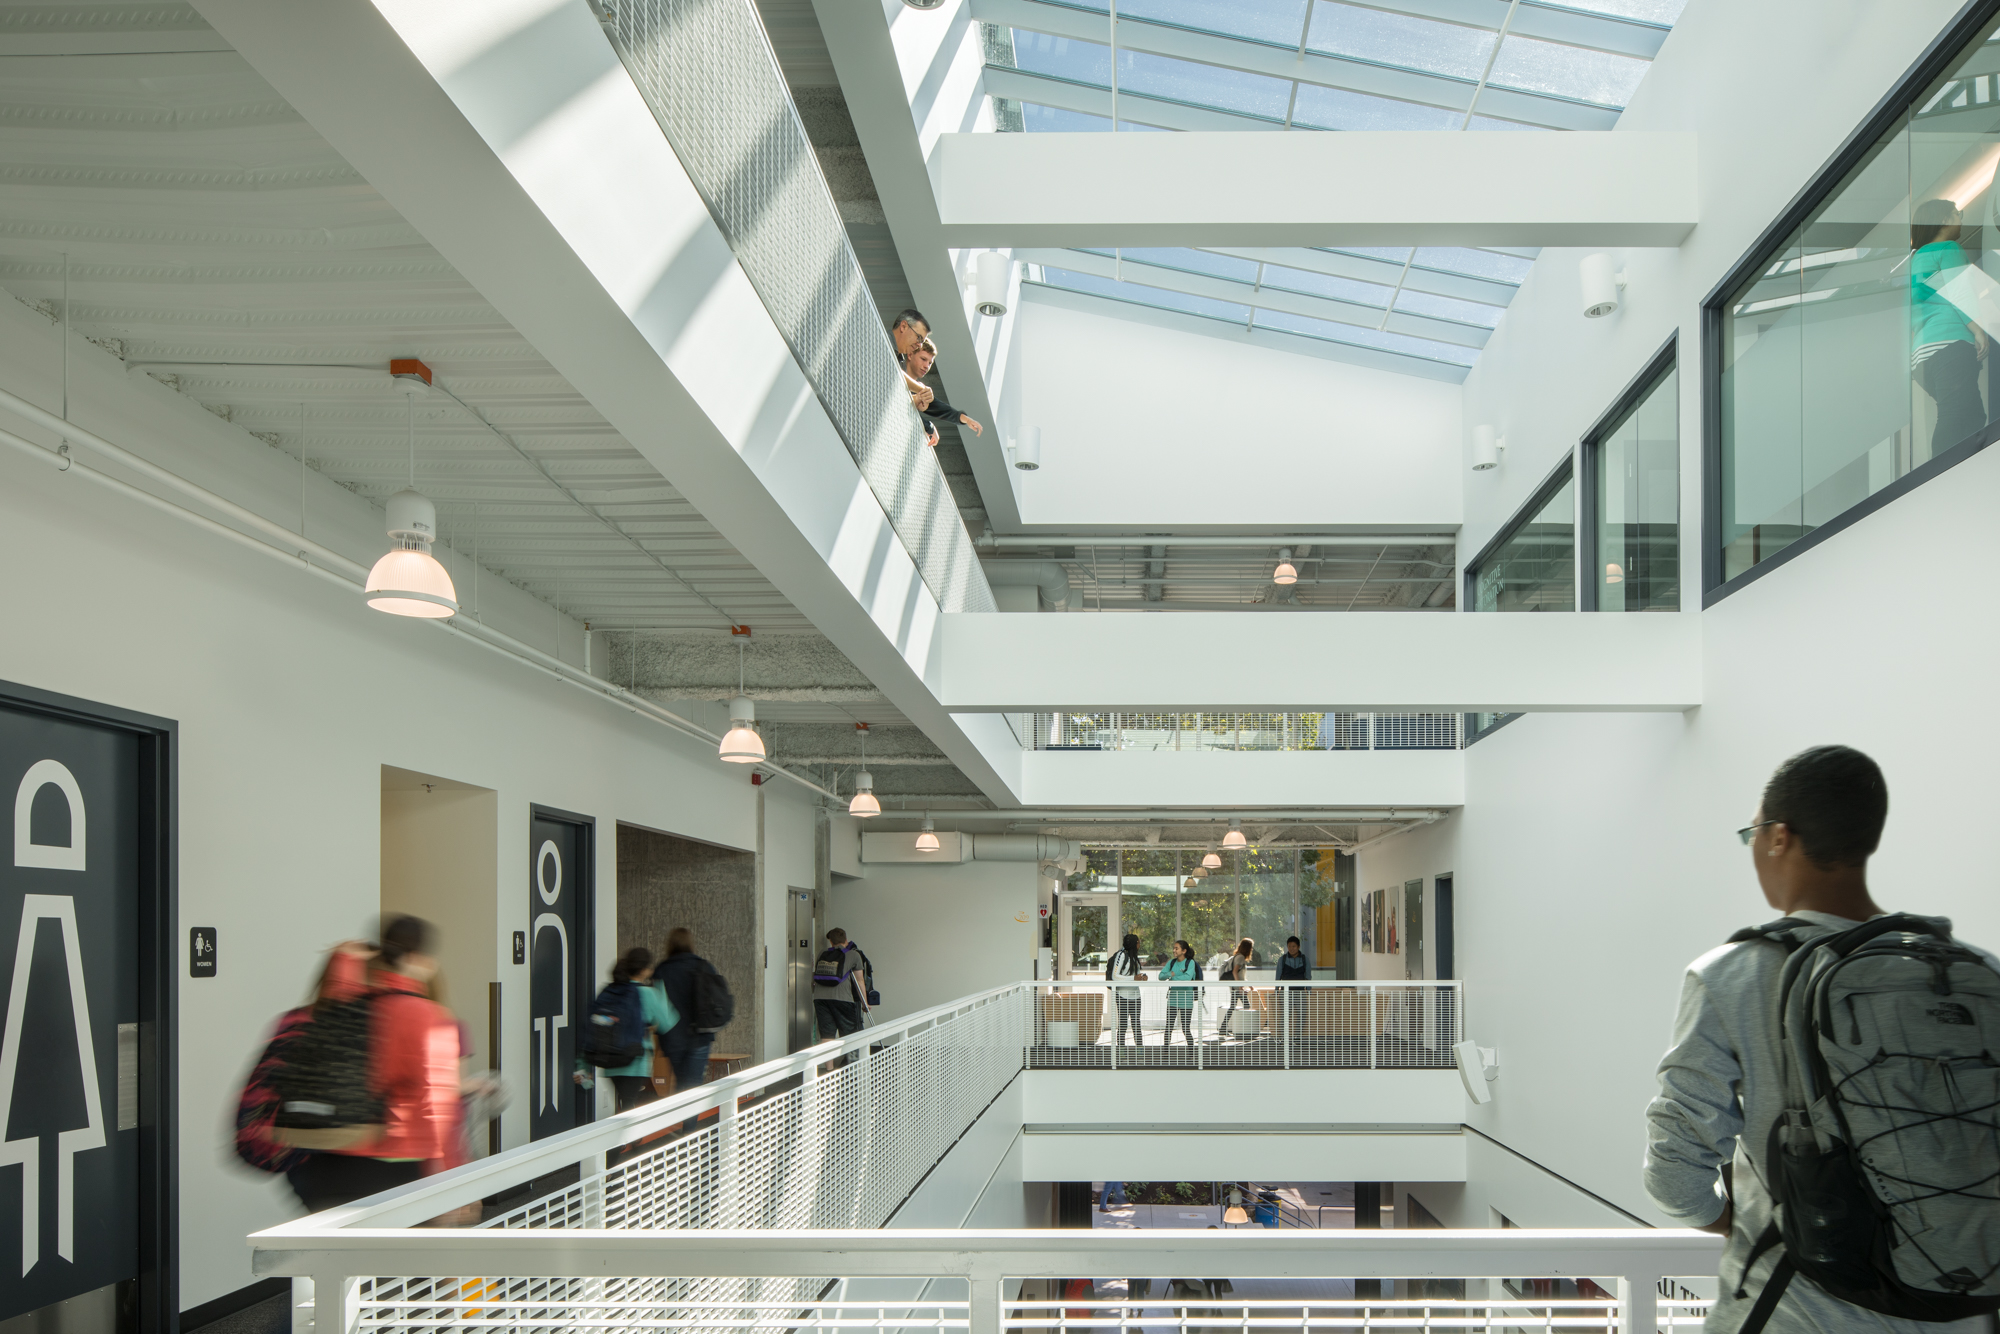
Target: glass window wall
1148 901
1856 351
1533 565
1634 513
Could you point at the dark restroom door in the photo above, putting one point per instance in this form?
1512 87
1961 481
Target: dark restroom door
562 966
84 923
1442 910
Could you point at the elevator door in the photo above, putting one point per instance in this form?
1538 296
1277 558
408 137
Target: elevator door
799 955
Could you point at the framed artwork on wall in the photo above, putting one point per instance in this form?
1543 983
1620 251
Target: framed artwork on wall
1366 923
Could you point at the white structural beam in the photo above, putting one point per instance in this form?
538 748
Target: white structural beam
1362 188
1367 662
1315 778
513 140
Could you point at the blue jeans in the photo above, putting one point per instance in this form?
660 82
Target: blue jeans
689 1058
1114 1193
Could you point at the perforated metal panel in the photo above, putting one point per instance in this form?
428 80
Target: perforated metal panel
706 71
1238 731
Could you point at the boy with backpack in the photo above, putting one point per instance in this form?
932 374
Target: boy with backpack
1828 1100
695 992
843 987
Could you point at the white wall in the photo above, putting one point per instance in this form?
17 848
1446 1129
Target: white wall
1595 857
1149 425
291 696
935 933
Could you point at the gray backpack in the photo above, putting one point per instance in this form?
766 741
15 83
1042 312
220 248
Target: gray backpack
1885 1166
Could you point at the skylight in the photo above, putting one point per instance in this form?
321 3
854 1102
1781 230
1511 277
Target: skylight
1279 65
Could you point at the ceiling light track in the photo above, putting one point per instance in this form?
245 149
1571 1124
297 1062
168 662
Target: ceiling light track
270 539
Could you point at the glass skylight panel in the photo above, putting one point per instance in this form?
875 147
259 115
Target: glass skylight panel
1326 285
1203 85
1320 108
1193 261
1447 308
1567 71
1080 62
1663 12
1140 294
1494 123
1399 39
1275 21
1477 263
1393 254
1378 339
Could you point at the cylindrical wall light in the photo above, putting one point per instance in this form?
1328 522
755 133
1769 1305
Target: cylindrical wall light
991 273
1601 285
1486 446
1028 451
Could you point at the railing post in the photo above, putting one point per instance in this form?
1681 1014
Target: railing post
336 1303
1374 1020
591 1170
1639 1304
983 1314
1284 998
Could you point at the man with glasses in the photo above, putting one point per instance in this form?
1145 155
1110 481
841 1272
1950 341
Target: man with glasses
1722 1081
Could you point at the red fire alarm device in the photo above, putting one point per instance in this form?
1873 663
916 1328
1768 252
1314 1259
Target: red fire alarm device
409 368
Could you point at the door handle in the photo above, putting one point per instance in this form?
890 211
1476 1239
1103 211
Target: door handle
128 1076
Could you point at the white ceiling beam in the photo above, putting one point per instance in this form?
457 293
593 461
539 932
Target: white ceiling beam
1363 188
1492 663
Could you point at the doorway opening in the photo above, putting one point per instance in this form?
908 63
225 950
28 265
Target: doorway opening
665 882
440 862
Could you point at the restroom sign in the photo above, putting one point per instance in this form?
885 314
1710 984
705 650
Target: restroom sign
201 951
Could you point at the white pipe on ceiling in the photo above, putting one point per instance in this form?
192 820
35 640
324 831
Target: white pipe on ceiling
1273 540
323 562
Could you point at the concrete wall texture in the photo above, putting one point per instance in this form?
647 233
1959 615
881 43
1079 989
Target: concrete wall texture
665 882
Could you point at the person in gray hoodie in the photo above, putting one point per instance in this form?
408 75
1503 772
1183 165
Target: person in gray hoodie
1722 1081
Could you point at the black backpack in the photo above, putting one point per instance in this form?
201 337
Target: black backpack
714 1007
324 1101
615 1033
1885 1166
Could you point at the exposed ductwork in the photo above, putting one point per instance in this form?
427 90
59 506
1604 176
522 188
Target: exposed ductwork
1024 848
885 848
1047 576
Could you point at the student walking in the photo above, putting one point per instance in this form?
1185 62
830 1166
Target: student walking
1183 967
1123 966
404 1067
1845 982
636 1011
699 999
1293 966
1236 969
843 983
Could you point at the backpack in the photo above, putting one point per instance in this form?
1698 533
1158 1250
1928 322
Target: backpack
257 1105
714 1007
615 1034
1885 1167
323 1096
830 969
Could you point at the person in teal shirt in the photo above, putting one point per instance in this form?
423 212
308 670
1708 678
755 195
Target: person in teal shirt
1180 1000
634 1083
1946 347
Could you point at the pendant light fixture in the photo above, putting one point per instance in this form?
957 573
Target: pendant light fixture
1191 883
1286 573
864 805
742 745
1211 862
1236 1213
1234 838
927 841
1199 873
1613 573
408 581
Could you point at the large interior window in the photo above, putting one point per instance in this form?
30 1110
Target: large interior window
1631 512
1531 566
1855 350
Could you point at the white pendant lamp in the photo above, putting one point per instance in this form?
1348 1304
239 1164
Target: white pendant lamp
408 581
1613 573
1286 573
1234 838
741 744
1235 1213
990 273
1211 862
864 805
927 841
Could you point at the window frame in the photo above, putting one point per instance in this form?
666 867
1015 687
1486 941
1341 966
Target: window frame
1588 461
1544 492
1943 51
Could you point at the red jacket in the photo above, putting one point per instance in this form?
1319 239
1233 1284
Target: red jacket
412 1064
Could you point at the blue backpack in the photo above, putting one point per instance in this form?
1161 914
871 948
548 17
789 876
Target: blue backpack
615 1033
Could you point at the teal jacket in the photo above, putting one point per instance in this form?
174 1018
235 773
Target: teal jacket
1181 970
1932 318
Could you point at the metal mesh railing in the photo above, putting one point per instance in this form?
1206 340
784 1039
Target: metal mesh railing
706 71
1422 1305
1245 1026
1239 731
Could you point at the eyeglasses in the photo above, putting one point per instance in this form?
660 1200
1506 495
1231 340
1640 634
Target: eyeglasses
1748 832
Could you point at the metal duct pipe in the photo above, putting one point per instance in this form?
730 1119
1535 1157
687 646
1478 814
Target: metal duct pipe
1046 575
1024 848
1323 815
